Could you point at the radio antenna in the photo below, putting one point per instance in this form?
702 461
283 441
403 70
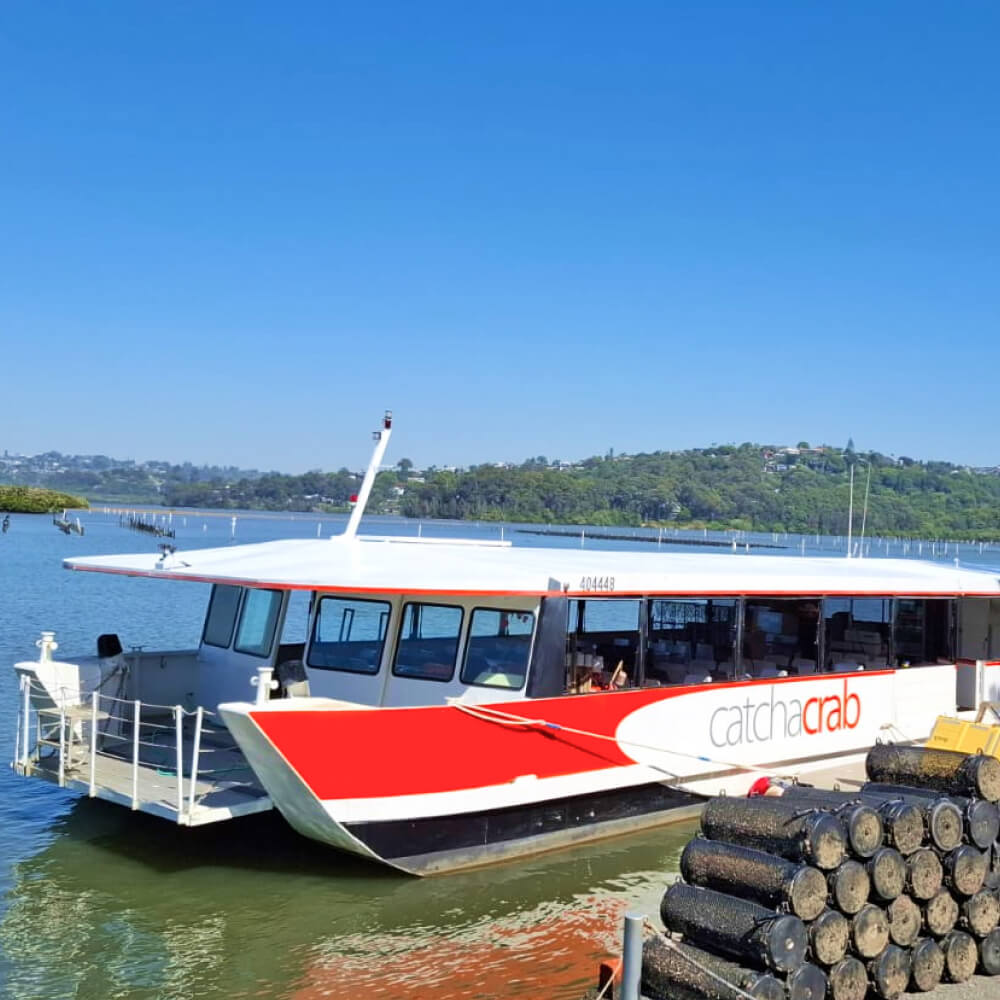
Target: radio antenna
381 443
850 513
864 512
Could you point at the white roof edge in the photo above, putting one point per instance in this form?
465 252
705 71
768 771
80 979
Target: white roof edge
453 566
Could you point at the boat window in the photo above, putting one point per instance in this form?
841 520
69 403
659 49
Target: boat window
856 633
258 618
691 640
295 626
221 617
923 632
497 650
349 634
780 636
602 644
428 642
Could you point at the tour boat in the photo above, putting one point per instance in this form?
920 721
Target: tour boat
451 703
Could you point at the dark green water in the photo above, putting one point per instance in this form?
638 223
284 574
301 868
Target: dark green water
97 902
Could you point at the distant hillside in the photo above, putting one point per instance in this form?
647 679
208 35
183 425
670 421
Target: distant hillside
749 486
102 478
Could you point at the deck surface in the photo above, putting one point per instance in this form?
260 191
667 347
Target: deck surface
226 786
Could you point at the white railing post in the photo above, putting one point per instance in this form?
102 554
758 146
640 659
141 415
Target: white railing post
62 742
264 683
135 755
26 709
195 751
17 734
93 743
179 726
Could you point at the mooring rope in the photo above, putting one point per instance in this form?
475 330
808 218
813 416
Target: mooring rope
611 979
892 728
698 965
487 714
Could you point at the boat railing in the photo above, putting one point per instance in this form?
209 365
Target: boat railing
165 759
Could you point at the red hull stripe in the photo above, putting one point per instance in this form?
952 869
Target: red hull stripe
422 751
345 754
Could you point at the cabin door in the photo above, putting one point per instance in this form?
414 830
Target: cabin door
239 638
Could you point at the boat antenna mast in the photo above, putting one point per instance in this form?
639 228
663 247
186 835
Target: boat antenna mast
850 513
864 512
381 438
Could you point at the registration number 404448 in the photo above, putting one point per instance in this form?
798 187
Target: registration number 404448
606 583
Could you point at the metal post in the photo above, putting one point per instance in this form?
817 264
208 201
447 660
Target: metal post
632 955
179 726
93 743
135 755
26 709
264 684
17 734
62 742
195 751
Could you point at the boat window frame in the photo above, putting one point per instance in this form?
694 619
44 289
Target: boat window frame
274 622
469 637
713 626
236 615
317 613
459 636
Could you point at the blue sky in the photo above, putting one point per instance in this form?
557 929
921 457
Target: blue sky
236 232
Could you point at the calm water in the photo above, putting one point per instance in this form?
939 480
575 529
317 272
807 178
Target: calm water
96 902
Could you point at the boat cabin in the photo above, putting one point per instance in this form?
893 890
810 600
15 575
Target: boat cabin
397 649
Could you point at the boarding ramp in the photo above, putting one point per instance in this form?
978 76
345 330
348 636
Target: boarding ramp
181 765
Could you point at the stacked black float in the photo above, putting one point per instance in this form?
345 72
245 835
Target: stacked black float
837 894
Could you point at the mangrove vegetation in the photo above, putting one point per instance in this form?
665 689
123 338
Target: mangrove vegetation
35 500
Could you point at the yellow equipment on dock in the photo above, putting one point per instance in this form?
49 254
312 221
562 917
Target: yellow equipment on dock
950 733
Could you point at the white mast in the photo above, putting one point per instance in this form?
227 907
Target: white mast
850 513
864 513
381 442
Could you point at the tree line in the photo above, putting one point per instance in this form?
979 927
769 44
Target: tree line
748 486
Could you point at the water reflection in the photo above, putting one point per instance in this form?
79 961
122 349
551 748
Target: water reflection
122 905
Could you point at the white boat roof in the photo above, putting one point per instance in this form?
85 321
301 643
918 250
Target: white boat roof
411 566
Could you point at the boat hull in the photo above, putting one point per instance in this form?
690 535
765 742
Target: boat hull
443 787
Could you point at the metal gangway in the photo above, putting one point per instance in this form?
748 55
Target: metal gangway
165 760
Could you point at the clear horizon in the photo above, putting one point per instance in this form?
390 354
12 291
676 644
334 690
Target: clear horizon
245 231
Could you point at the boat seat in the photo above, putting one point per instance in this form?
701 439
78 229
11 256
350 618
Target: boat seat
699 672
768 668
676 672
292 679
